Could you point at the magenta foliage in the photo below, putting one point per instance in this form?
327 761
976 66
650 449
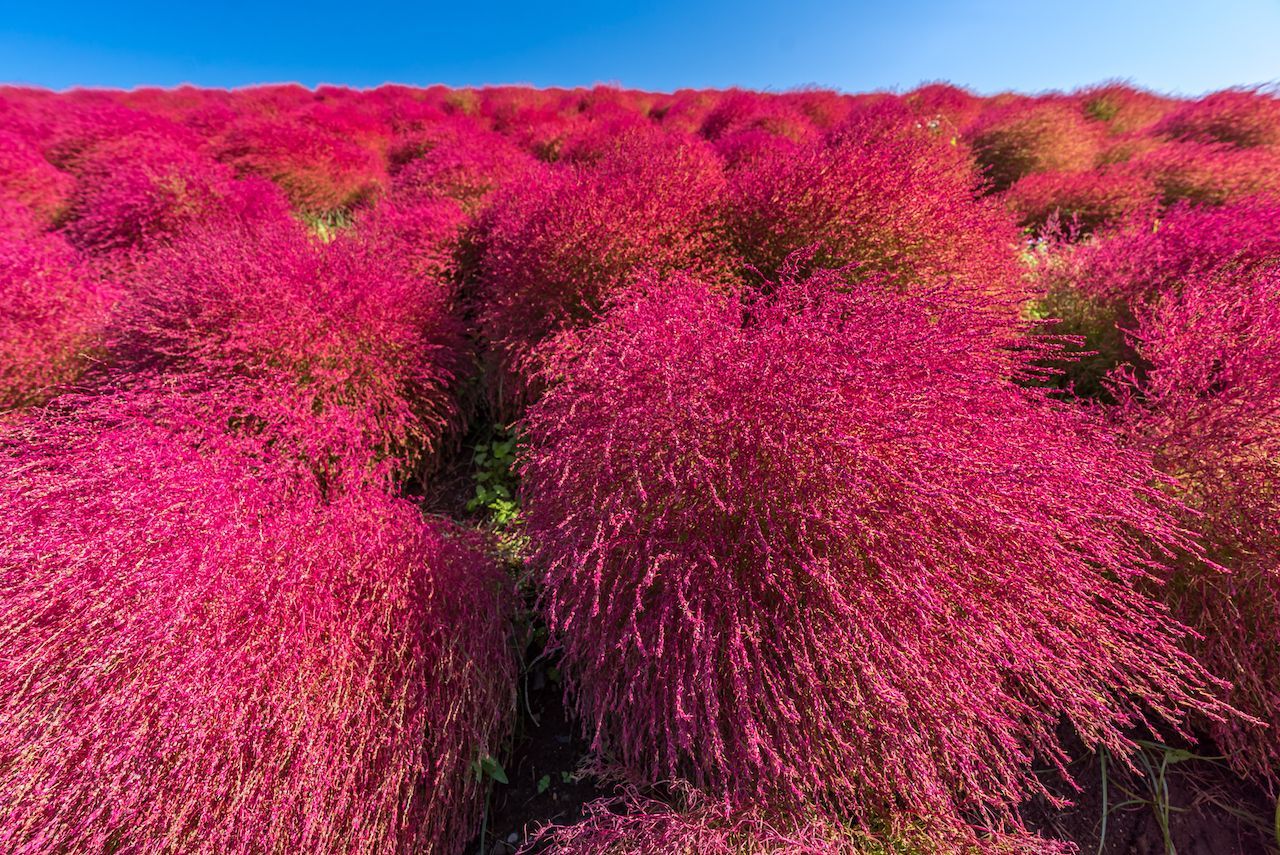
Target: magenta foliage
28 179
947 106
1142 258
1124 109
343 325
884 193
1205 173
1237 117
135 194
819 550
51 310
1083 201
640 825
78 126
202 656
458 160
737 112
565 238
1022 138
421 236
1209 408
319 170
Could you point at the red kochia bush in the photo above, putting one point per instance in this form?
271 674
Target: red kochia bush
1080 200
75 126
51 310
1237 117
1140 259
458 160
1124 109
346 327
1210 410
318 170
1094 286
700 827
738 112
1040 136
203 657
558 244
1212 174
882 193
817 549
28 179
949 107
421 236
133 194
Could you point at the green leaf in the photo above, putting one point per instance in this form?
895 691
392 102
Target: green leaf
543 784
491 767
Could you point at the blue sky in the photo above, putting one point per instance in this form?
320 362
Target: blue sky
1178 47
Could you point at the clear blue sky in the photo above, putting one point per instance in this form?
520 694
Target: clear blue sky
1182 47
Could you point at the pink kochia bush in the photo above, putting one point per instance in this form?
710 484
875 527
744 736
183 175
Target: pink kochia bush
457 160
650 827
1209 408
202 656
135 194
881 192
559 243
346 328
1080 201
819 549
51 310
1140 259
1209 174
634 824
1236 117
320 171
1024 138
421 236
28 179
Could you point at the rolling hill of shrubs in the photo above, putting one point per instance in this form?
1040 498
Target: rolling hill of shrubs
858 460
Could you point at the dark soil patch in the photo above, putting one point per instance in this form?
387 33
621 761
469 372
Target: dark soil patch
1210 810
543 785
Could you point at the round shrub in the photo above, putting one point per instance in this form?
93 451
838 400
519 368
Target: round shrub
558 244
944 105
1124 109
1094 287
457 160
818 549
738 111
639 825
1080 202
26 178
1209 409
1237 117
132 195
1037 136
881 193
1211 174
203 657
51 311
342 325
421 236
320 171
76 126
1142 258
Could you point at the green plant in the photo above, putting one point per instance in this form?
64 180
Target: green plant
487 769
495 479
1154 759
328 225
